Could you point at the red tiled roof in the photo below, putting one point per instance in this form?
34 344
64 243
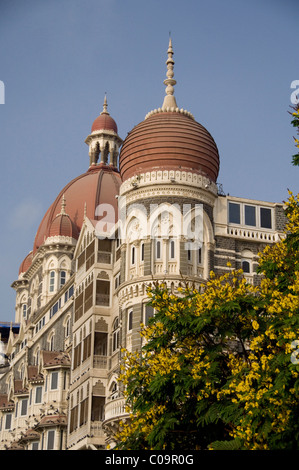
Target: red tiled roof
55 358
100 184
52 420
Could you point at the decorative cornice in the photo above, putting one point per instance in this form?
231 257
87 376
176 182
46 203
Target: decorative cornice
175 178
170 110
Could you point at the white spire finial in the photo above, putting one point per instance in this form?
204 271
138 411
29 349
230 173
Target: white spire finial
169 100
105 105
63 204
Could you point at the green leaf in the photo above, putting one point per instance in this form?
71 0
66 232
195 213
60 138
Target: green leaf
234 444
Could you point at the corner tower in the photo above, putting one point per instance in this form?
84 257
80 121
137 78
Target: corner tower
169 165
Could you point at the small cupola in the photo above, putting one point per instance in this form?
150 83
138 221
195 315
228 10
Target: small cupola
104 141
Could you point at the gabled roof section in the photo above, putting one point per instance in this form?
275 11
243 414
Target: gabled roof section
55 359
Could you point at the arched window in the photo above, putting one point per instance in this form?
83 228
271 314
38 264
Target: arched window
114 391
24 310
142 252
62 278
133 255
246 261
172 249
246 266
158 249
130 320
51 342
36 357
68 328
52 281
199 256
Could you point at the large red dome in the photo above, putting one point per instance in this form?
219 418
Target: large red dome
169 140
99 185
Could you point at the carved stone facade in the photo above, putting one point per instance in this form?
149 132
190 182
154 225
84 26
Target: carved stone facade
81 293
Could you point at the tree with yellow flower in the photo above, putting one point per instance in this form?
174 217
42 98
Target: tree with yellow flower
219 368
295 123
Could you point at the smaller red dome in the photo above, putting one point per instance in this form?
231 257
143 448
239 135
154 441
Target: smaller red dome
26 263
64 227
104 122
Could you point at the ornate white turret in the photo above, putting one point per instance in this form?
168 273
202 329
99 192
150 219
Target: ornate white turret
104 139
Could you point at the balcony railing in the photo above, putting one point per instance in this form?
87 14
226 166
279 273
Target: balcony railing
96 428
100 362
243 232
103 299
115 409
104 257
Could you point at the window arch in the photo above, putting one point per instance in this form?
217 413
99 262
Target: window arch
52 276
67 327
158 249
246 261
246 267
142 252
133 255
130 320
51 341
114 390
171 249
62 278
36 356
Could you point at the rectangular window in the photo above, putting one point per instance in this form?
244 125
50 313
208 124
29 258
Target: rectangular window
34 446
172 249
54 381
103 293
266 219
158 249
8 421
79 307
81 260
149 313
88 297
142 252
234 213
38 394
250 218
55 308
24 406
50 443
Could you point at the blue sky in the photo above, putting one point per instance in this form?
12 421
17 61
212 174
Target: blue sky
235 61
